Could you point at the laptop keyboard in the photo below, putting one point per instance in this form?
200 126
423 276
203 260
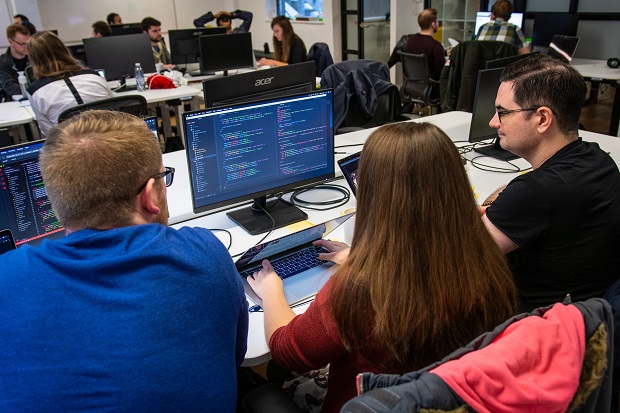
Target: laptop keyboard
295 263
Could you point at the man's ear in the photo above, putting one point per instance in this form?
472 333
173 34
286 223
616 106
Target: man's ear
545 118
149 198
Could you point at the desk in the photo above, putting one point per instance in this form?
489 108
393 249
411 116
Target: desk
17 114
593 69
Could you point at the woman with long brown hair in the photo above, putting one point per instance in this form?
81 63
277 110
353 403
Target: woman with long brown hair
61 81
288 47
422 277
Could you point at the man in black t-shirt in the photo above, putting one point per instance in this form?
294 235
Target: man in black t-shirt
560 223
14 60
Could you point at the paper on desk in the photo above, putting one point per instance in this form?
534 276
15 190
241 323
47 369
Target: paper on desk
298 226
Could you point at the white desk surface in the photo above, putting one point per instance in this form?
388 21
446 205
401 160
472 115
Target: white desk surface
160 95
456 126
595 68
15 113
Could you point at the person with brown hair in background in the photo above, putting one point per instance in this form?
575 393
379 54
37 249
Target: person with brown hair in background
288 47
152 27
13 61
101 29
417 282
61 81
499 29
114 18
424 43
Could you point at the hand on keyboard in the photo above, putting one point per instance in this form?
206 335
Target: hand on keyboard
339 251
266 281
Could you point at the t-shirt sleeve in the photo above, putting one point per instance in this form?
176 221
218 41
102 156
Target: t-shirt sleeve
521 211
310 341
520 40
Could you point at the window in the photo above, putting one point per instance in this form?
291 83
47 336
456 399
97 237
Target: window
301 9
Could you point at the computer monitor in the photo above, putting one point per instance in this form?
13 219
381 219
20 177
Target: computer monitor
483 17
78 53
252 150
126 28
117 55
6 241
225 52
24 206
184 47
260 84
548 24
151 122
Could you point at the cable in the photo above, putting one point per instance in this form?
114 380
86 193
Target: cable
499 169
331 204
229 236
348 146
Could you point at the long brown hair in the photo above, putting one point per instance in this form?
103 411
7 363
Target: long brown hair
282 48
49 56
424 276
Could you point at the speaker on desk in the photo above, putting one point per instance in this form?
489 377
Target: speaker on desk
613 62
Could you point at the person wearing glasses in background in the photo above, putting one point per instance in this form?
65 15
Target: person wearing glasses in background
559 223
124 312
14 60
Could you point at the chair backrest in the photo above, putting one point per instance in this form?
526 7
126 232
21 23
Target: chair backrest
319 52
416 76
5 138
133 104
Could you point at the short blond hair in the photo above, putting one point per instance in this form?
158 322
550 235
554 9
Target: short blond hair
93 164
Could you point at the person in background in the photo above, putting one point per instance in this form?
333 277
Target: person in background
498 29
124 313
61 81
224 19
559 223
101 29
416 283
424 43
288 47
114 18
21 19
152 27
14 60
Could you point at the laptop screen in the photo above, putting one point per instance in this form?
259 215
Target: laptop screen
6 241
24 206
563 47
349 166
151 122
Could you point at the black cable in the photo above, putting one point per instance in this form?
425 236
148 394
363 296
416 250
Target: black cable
229 236
332 203
499 169
348 146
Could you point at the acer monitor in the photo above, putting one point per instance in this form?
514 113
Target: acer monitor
125 29
184 47
223 52
260 84
249 151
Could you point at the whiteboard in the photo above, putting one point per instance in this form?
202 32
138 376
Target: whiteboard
5 20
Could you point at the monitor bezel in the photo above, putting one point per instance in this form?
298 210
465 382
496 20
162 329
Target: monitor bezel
125 29
226 43
251 196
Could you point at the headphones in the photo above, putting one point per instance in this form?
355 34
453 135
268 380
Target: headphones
613 62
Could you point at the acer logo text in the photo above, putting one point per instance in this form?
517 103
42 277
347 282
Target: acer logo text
263 82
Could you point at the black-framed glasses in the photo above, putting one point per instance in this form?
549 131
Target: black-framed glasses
501 113
168 174
19 43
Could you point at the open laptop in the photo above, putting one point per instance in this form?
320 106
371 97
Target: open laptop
151 122
348 166
294 259
563 47
6 241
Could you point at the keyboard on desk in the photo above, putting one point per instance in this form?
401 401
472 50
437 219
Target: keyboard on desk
295 263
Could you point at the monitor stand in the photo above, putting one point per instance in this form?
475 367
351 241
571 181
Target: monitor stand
124 87
494 150
255 221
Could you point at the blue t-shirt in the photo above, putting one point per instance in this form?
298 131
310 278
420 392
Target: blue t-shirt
141 318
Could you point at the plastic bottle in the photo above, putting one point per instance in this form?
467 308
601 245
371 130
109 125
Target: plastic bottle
139 78
23 82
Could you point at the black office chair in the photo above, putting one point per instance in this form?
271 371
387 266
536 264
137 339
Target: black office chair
418 87
133 104
5 138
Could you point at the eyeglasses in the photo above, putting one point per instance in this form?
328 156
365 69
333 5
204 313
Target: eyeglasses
501 113
168 174
19 43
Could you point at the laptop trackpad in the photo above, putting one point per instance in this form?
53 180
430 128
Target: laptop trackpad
307 283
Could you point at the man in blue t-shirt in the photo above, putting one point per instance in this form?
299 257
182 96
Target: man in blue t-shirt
123 313
559 223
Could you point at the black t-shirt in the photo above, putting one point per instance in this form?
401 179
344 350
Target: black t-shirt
20 64
565 218
298 52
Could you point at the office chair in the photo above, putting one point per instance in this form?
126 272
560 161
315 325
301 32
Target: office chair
364 97
133 104
418 87
319 52
5 138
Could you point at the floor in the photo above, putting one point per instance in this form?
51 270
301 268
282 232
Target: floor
596 113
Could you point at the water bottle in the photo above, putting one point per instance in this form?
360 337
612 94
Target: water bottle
23 82
139 78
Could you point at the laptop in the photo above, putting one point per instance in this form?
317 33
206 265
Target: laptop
563 47
151 122
294 259
25 208
348 166
6 241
